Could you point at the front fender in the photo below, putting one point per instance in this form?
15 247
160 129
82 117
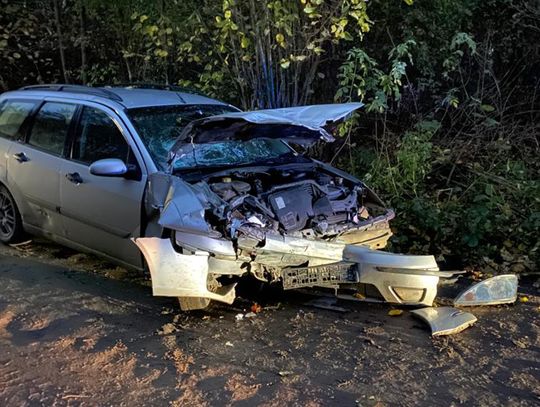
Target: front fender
177 275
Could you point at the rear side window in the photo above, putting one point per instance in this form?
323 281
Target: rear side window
51 126
98 137
12 116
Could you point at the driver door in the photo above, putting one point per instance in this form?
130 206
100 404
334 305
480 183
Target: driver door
102 213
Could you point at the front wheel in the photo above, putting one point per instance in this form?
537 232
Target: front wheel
11 229
193 303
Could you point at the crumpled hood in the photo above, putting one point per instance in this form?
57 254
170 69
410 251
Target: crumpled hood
301 125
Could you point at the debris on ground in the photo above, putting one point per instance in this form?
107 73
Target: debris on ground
168 329
326 358
496 290
327 304
395 312
445 320
256 308
21 244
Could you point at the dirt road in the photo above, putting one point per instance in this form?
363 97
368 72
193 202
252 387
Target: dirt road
74 331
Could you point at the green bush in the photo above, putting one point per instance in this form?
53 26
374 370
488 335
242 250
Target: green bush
478 217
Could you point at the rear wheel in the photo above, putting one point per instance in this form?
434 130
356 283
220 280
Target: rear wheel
11 229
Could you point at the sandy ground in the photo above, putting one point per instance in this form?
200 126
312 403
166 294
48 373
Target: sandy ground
77 331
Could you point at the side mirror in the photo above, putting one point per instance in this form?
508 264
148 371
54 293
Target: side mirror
108 167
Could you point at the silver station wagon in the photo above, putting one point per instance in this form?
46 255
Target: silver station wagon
198 192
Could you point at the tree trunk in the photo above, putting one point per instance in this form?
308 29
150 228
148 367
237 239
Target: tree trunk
60 42
83 42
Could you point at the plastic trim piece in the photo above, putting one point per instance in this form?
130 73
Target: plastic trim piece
445 320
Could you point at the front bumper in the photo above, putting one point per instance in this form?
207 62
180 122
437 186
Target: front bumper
399 279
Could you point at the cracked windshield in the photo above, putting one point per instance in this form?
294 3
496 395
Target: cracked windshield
159 127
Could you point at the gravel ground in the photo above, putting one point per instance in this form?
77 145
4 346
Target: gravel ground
75 330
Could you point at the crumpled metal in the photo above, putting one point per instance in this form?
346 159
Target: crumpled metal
311 124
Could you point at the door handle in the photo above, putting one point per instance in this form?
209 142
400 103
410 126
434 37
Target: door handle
21 157
74 177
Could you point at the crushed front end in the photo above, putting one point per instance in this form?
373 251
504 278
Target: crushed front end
286 219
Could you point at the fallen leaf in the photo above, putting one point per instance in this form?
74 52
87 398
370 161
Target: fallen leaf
256 308
167 329
359 296
395 312
524 298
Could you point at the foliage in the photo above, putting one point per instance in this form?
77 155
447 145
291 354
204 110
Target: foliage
360 77
449 136
272 50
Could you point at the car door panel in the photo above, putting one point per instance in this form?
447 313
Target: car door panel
13 113
36 181
101 213
33 170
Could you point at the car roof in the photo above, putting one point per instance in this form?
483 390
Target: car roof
127 97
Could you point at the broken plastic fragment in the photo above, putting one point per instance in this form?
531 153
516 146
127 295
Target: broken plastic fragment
445 320
496 290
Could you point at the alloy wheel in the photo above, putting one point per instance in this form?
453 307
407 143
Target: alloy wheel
7 215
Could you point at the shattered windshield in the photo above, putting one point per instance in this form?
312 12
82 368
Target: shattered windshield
159 126
232 152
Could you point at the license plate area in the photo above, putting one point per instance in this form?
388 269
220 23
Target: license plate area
328 275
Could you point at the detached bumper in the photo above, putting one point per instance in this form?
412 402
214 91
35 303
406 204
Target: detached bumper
399 279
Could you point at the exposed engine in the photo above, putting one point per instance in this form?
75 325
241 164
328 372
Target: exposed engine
297 203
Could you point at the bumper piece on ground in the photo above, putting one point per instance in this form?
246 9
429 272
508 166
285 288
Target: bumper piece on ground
445 320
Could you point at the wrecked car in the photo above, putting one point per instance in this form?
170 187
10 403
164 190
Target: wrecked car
207 193
238 199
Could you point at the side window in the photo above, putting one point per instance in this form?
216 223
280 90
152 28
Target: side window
51 126
12 115
98 137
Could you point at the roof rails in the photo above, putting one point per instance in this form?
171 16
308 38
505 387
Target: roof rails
157 86
76 89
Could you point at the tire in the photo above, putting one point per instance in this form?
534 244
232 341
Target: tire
11 228
193 303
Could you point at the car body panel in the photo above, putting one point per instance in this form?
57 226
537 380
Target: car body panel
103 213
178 275
445 320
301 125
36 184
5 147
